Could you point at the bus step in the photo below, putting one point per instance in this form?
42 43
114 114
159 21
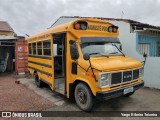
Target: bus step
61 91
60 88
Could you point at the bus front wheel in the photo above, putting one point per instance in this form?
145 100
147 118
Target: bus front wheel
83 97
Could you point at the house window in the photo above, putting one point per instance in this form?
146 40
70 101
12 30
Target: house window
144 48
158 49
47 47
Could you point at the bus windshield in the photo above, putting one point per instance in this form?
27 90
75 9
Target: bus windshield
101 48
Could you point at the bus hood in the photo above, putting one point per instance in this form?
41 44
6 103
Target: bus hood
114 63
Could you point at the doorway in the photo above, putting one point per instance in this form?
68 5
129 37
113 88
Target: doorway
7 59
158 49
59 62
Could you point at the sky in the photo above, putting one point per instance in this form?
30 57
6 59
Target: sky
32 16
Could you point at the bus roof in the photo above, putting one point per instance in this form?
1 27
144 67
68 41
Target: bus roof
66 27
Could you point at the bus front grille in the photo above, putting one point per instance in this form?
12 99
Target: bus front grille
125 76
116 78
135 74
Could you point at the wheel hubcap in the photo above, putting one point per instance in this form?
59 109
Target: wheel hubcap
82 97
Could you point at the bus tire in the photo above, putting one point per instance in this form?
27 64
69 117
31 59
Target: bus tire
84 97
38 82
129 94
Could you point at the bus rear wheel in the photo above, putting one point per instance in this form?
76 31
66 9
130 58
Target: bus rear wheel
38 82
83 97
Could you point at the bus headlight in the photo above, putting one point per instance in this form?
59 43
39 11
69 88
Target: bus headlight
141 72
104 80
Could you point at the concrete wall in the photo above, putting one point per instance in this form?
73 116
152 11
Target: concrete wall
152 72
129 41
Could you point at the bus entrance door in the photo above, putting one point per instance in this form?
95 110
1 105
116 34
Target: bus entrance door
59 62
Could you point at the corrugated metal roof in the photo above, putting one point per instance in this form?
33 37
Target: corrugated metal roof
4 26
7 37
132 22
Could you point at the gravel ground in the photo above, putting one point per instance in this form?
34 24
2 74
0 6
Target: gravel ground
16 97
26 97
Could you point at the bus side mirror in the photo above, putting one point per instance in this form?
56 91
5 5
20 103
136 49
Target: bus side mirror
144 55
86 56
145 58
74 50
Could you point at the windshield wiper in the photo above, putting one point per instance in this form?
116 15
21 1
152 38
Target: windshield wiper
105 55
113 53
99 54
94 53
118 49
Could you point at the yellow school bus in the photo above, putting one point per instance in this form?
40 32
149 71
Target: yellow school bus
83 59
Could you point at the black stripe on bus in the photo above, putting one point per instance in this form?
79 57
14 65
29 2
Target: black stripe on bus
45 81
46 73
43 57
42 64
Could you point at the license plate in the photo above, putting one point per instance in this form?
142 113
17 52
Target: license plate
128 90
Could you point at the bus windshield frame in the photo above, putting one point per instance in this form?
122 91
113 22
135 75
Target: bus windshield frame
100 46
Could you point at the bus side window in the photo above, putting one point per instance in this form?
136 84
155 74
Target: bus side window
47 47
39 48
30 48
34 48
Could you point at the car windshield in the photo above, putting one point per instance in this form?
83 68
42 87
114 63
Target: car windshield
101 49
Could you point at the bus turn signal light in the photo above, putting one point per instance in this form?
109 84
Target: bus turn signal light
77 26
80 25
110 29
113 29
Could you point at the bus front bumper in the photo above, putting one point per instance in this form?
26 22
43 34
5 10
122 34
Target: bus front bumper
117 92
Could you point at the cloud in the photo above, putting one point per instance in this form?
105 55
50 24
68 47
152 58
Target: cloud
31 16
